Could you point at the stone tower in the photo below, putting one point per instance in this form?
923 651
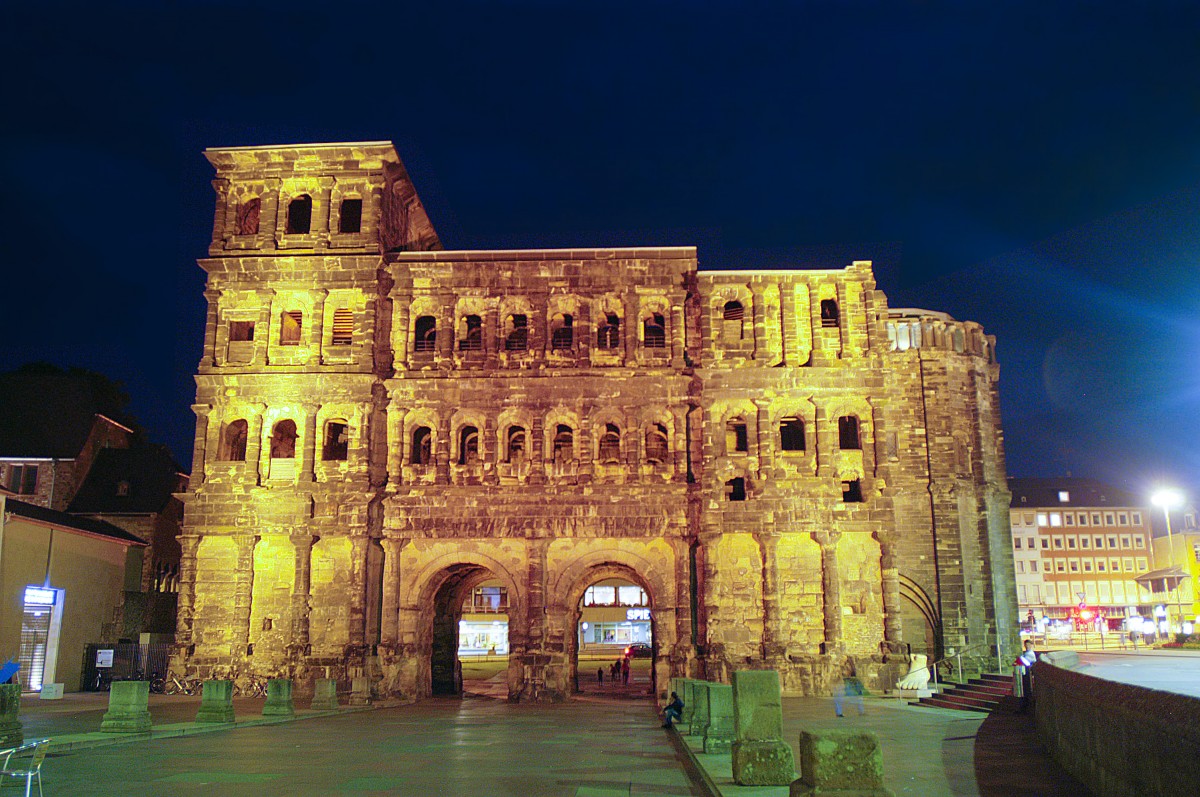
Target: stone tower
794 473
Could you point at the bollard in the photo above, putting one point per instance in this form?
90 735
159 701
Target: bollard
325 695
128 708
718 736
840 763
11 732
699 724
279 698
760 756
360 691
216 702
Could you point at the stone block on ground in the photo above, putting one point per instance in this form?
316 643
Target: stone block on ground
718 735
325 695
128 708
699 723
360 691
279 698
216 702
836 762
11 732
760 756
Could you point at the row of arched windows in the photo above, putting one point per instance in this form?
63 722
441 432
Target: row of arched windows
516 448
791 435
234 435
515 332
299 215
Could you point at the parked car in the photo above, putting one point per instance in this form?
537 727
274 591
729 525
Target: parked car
639 650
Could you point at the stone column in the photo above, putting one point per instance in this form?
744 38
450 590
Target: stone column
390 621
677 340
759 755
257 455
441 454
358 589
210 328
823 442
584 335
831 588
536 657
772 643
200 445
395 450
892 631
444 344
301 592
243 594
185 616
308 445
316 328
683 654
401 323
632 319
759 321
537 464
262 329
762 444
489 457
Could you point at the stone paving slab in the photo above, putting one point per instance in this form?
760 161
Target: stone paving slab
927 752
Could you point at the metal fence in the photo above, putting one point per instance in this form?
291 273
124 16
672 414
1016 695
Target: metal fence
103 664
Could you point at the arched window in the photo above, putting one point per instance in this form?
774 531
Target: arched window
610 444
472 334
283 440
656 443
737 489
516 443
291 324
608 334
564 443
737 439
350 216
654 331
562 333
299 215
343 327
233 442
425 333
829 313
791 434
848 433
468 445
337 440
422 446
517 337
247 216
732 321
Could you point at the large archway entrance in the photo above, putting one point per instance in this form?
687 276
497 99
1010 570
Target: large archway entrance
614 644
919 622
469 647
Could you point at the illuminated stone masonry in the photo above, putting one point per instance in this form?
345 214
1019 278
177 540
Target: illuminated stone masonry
794 473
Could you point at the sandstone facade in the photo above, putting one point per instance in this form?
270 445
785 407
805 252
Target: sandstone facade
793 472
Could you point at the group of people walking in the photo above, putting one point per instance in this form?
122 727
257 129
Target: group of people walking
618 672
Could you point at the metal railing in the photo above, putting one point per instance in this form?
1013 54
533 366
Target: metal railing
957 657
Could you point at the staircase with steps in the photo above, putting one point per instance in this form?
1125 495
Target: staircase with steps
979 694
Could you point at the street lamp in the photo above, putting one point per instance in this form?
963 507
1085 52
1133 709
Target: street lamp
1169 499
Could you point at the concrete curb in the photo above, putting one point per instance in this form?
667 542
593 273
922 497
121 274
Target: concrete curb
75 742
691 764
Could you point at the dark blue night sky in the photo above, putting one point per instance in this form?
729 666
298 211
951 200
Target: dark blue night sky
1031 166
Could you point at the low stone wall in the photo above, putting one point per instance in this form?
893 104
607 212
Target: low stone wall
1116 738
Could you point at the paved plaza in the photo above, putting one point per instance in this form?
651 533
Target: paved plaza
590 747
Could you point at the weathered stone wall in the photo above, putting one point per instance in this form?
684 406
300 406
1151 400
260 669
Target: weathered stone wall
378 434
1117 739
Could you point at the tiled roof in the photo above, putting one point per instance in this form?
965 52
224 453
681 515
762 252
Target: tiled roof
96 528
1081 493
149 475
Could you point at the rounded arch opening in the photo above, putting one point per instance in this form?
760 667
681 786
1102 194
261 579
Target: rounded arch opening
612 648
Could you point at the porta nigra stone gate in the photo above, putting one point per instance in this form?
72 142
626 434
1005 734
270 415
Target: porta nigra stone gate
793 472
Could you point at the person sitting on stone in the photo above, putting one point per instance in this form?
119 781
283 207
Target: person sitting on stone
673 711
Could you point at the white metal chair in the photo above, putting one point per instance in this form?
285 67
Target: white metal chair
25 762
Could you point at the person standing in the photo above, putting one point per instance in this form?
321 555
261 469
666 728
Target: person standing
625 671
1023 680
600 675
851 689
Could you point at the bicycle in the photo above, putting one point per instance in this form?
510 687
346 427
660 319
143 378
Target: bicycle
253 687
103 680
175 685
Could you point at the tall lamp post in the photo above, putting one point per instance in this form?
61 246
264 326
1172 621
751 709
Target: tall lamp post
1169 499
